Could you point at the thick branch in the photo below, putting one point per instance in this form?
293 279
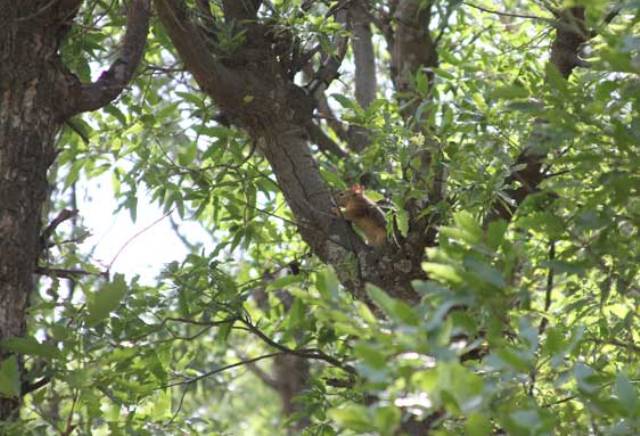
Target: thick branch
414 52
570 35
93 96
365 62
331 62
413 49
324 142
363 54
256 94
240 9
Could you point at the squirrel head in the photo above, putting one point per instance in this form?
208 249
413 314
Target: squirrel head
344 197
357 189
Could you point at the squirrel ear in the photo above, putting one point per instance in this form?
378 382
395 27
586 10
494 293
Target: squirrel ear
357 189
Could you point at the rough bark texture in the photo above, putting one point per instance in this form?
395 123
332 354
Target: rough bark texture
365 68
253 90
363 54
571 33
290 373
414 49
27 130
35 98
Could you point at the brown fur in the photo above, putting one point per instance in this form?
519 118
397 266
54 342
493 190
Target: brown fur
355 207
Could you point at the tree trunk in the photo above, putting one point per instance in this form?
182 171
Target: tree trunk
27 130
37 94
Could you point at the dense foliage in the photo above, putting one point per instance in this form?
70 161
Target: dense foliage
526 320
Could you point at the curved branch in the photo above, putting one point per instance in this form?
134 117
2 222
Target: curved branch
506 14
365 71
414 48
240 9
221 369
324 142
331 63
570 35
83 97
255 94
363 54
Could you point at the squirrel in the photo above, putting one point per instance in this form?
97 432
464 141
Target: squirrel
355 207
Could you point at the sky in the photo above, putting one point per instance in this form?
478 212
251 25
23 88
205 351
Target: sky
142 247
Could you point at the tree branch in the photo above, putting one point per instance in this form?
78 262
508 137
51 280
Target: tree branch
363 54
82 97
63 216
570 35
68 273
365 69
254 94
222 369
414 49
323 141
306 353
331 63
506 14
240 9
30 387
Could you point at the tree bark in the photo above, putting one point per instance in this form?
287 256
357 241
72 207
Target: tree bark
255 93
28 126
571 33
37 94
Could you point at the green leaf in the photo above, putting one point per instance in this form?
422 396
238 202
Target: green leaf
485 272
555 79
443 272
510 92
465 221
496 233
478 425
354 417
403 221
370 356
479 102
296 315
627 395
344 101
116 113
9 377
28 345
396 310
380 298
283 282
327 283
514 359
106 300
387 419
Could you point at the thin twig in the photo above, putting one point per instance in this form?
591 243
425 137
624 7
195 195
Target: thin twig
64 215
68 273
28 388
305 353
222 369
549 289
506 14
135 236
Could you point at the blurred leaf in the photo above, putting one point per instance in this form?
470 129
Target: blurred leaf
9 377
106 300
627 395
28 345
